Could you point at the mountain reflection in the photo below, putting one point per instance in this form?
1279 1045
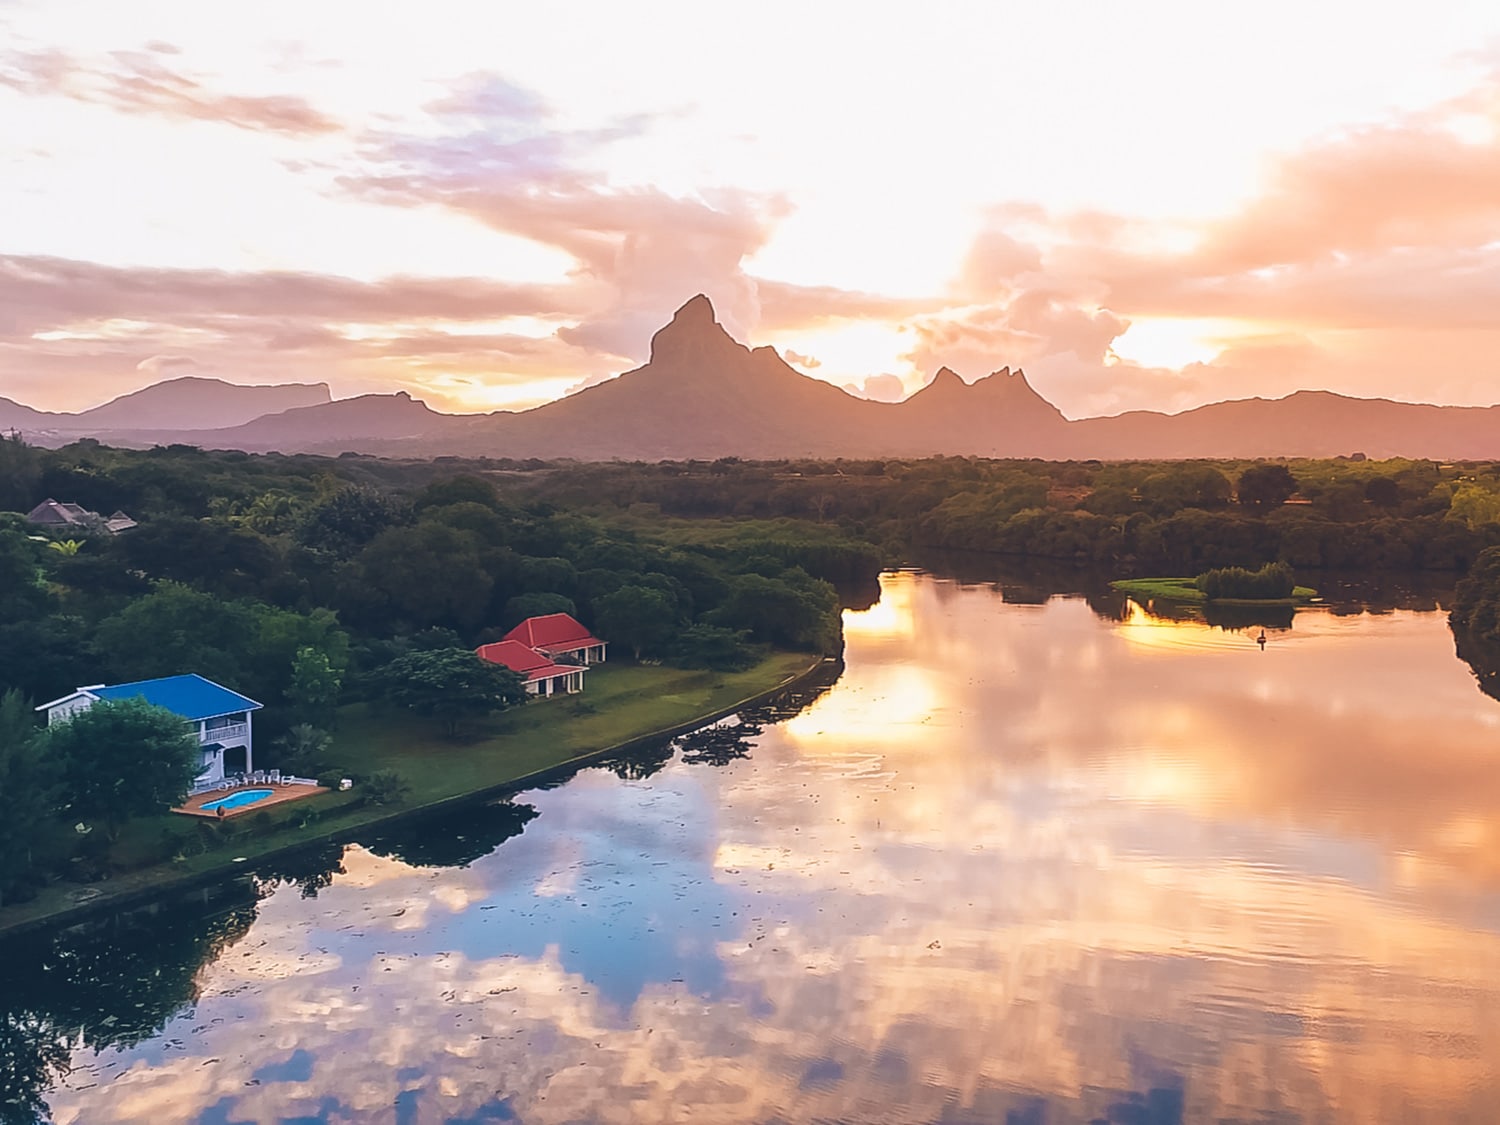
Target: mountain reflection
1022 862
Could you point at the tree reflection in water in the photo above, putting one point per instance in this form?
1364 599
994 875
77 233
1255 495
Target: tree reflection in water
453 837
112 983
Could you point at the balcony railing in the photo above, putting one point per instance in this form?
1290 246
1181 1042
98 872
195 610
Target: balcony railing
229 735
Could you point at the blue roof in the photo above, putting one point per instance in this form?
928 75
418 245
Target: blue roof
190 696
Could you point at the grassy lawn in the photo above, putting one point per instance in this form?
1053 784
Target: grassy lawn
620 703
1184 590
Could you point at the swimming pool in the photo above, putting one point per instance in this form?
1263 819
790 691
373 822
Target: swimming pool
237 800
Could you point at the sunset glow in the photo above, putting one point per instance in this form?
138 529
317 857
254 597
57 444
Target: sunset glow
490 206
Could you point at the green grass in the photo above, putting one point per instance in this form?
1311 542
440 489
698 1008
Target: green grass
1184 590
621 702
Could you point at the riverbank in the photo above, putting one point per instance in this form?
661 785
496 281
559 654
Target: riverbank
625 706
1185 590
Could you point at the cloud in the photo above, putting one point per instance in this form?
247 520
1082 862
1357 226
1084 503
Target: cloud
101 330
800 360
785 306
141 82
493 153
162 366
883 388
38 293
1369 263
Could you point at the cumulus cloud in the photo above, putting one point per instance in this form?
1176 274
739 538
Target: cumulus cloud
883 388
1368 263
494 154
800 360
142 82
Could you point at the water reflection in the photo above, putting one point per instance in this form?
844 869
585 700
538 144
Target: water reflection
1022 863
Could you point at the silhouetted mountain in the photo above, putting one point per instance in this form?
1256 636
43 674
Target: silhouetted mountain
195 403
14 416
163 410
703 395
1304 424
346 423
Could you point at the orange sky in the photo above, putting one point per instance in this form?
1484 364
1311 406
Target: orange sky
1144 205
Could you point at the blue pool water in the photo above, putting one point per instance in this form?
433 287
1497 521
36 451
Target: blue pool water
237 800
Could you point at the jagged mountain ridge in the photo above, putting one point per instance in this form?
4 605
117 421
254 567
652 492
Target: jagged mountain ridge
704 395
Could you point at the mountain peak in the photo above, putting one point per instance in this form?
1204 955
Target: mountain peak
696 309
694 336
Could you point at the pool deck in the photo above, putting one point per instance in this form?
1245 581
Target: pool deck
280 794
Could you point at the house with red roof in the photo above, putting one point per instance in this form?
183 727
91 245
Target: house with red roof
561 637
543 675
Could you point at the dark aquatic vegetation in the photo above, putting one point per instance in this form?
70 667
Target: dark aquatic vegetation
718 745
1039 861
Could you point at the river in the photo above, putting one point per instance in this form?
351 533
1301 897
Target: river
1030 860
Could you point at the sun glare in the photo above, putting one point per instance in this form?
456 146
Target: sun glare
848 352
1175 342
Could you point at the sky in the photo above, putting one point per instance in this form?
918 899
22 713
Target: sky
491 205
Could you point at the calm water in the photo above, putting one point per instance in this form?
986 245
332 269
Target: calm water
1023 863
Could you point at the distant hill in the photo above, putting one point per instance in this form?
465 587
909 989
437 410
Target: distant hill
1304 424
702 395
14 416
195 403
347 423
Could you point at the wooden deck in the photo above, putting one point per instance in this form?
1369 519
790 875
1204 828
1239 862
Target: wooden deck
280 795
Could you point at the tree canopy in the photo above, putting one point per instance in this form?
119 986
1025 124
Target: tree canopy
450 685
123 758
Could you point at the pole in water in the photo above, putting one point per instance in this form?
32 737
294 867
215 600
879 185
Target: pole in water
1261 640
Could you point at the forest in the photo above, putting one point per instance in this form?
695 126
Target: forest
309 583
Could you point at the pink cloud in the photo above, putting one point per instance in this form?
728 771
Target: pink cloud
140 82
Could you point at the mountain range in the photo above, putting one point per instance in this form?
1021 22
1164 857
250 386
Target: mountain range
702 395
188 403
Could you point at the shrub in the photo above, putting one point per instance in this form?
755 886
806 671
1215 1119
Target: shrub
385 787
1274 580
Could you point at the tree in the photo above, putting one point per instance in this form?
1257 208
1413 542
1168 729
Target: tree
174 629
1263 487
451 685
303 750
430 575
1383 492
347 520
522 606
123 758
638 616
794 609
314 690
248 644
710 646
28 791
20 473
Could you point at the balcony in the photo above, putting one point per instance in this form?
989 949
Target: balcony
231 734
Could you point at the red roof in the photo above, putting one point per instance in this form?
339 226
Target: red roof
526 661
553 632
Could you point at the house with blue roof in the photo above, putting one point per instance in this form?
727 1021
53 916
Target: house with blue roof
220 718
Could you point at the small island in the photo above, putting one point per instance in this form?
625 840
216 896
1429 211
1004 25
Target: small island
1271 585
